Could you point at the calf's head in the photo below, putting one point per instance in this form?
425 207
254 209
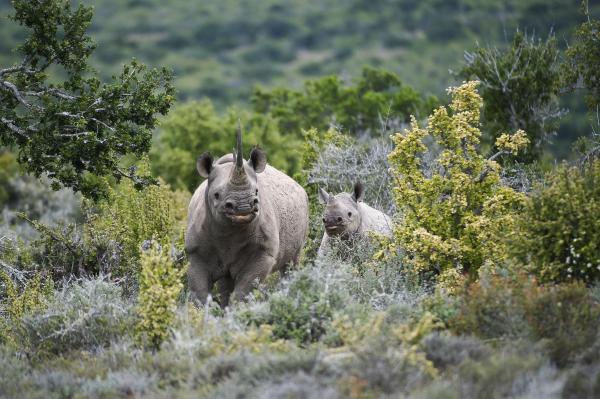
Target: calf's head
232 195
342 216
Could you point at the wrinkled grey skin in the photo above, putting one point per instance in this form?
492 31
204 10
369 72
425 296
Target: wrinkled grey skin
245 221
346 216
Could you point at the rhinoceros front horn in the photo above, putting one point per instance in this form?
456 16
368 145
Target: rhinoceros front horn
238 175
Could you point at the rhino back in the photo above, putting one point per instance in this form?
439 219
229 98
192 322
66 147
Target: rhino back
288 202
374 220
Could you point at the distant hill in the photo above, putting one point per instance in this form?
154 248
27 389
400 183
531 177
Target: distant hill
222 49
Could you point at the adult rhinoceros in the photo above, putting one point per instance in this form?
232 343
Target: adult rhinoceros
245 221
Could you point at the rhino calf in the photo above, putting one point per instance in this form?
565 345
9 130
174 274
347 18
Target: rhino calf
245 221
347 216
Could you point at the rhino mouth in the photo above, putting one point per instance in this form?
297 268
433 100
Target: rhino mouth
242 217
334 229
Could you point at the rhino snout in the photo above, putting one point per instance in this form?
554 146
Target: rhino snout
243 206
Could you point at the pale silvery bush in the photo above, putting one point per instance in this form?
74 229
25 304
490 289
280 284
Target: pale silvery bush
337 167
85 314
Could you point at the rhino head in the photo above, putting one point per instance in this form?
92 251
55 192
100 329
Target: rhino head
232 196
342 216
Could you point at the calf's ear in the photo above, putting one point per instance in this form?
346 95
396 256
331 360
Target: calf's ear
358 191
258 159
204 164
323 196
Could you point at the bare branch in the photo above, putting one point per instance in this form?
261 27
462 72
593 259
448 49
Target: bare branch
14 128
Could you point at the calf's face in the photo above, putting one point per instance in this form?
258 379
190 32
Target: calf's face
342 216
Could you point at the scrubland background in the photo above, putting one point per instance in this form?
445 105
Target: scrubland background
488 287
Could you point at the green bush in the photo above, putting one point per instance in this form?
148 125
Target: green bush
494 308
376 102
583 57
110 238
301 311
130 216
8 169
565 319
520 89
560 228
160 284
17 302
196 127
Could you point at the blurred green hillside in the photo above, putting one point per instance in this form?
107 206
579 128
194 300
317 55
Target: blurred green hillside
223 49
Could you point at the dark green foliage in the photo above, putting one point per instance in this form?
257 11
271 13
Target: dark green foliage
560 228
8 170
302 312
520 88
77 127
376 102
583 58
196 127
494 308
447 351
565 319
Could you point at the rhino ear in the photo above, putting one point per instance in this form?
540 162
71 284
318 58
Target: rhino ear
258 159
359 191
323 196
204 164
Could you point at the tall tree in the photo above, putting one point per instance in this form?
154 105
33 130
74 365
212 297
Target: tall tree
68 124
520 88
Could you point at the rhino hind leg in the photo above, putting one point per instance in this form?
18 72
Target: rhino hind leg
225 287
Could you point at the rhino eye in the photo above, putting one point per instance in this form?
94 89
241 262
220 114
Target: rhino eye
257 191
349 214
216 195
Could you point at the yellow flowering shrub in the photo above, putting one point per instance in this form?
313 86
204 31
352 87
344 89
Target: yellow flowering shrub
160 284
454 209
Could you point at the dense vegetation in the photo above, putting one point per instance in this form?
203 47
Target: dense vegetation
222 50
489 286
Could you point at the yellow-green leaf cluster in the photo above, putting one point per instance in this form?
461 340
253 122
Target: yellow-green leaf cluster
132 216
160 284
16 304
453 207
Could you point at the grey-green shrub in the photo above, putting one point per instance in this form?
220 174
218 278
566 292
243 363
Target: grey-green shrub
87 315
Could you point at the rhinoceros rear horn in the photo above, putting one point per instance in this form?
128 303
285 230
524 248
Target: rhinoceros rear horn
204 164
323 196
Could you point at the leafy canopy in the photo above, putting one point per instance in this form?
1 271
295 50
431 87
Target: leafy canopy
520 88
75 127
196 127
376 101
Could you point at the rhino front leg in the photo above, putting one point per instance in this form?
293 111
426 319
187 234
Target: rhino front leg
199 278
225 286
255 270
